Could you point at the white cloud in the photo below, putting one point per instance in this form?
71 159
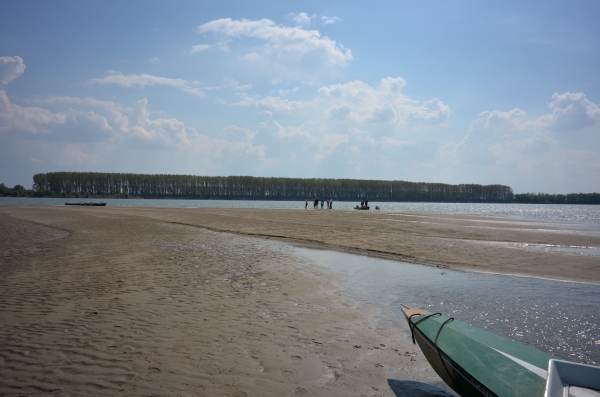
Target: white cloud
285 44
235 133
155 60
570 112
536 149
87 101
326 144
232 83
253 56
199 48
272 103
301 18
11 68
383 114
537 143
144 80
287 92
330 20
110 127
28 119
388 141
358 102
338 112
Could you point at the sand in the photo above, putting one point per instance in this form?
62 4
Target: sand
188 302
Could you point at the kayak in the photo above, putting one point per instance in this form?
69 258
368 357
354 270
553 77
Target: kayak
474 362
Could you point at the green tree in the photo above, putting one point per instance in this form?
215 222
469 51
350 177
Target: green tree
19 189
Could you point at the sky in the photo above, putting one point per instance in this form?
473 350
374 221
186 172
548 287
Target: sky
489 92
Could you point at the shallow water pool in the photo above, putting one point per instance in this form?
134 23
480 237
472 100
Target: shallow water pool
561 318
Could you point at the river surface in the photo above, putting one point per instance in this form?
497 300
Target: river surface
560 318
568 215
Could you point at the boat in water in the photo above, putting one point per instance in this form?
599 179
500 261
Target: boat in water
87 204
478 363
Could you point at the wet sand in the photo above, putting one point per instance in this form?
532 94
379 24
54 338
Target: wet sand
148 301
97 301
479 243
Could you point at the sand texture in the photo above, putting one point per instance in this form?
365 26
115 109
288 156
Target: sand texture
478 243
109 301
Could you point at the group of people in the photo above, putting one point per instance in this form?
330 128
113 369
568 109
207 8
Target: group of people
364 204
316 203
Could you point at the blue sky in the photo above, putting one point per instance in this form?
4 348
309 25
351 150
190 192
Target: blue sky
456 92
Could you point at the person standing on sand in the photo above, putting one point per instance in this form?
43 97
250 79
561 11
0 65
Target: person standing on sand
306 203
322 202
316 203
330 204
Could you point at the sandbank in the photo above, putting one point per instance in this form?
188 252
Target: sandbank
108 301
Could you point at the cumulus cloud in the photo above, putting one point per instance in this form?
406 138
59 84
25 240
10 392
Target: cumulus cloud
145 80
359 102
235 133
338 112
570 112
301 18
510 138
109 123
285 44
326 144
11 68
89 122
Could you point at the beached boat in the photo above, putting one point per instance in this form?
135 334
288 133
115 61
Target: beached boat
87 204
474 362
361 208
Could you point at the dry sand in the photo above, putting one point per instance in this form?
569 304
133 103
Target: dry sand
147 301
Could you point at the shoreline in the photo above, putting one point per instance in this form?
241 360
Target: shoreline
444 240
454 241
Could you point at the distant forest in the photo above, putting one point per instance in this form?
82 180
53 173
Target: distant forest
92 184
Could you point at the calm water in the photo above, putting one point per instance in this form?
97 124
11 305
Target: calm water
561 318
587 216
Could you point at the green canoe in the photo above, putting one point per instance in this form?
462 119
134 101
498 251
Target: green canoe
474 362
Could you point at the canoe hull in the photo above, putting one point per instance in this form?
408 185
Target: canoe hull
451 373
474 362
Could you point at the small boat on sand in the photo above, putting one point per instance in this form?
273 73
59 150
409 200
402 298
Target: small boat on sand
474 362
358 207
87 204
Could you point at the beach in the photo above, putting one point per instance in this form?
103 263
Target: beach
181 301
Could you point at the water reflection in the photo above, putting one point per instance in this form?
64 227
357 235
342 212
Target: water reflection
561 318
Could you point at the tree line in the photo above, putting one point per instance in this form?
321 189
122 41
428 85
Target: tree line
92 184
571 198
16 191
85 184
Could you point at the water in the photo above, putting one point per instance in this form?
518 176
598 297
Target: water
561 318
587 216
